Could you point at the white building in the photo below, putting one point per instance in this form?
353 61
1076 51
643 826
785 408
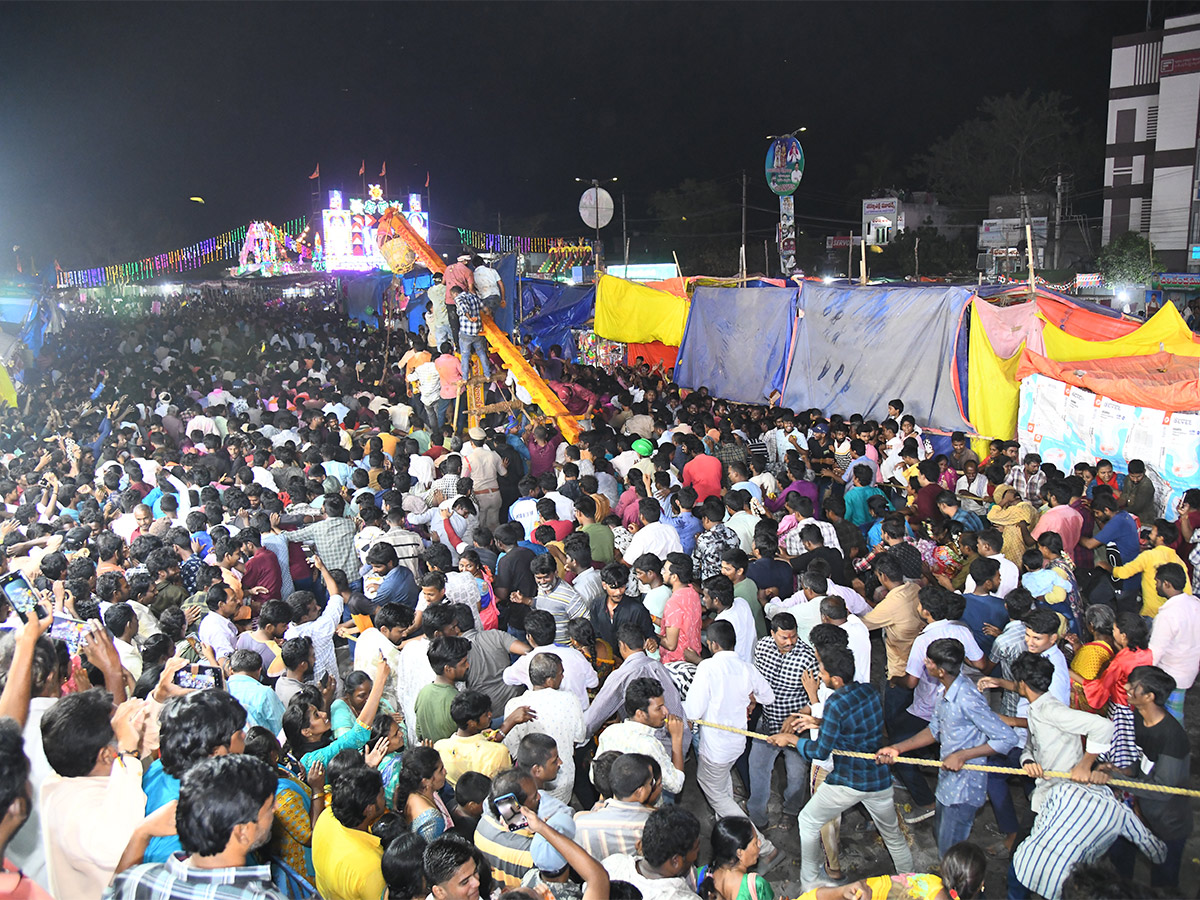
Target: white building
1151 180
883 218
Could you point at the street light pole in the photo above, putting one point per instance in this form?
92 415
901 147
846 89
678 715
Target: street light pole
595 183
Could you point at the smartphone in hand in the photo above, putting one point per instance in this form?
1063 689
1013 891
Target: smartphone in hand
21 596
509 810
200 677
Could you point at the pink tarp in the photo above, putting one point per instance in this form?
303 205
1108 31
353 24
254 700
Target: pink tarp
1008 326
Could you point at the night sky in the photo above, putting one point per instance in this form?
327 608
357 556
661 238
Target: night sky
114 114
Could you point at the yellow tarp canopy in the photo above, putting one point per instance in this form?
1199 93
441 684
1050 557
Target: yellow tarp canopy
8 393
636 314
992 388
1165 331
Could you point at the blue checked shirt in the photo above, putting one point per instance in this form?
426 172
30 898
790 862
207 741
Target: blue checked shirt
176 880
469 309
961 720
853 721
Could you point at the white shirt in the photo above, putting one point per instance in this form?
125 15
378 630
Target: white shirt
414 673
25 848
742 620
558 715
371 644
524 512
218 632
422 468
855 603
807 613
720 692
564 507
657 538
1010 576
578 674
1175 639
860 646
487 282
321 630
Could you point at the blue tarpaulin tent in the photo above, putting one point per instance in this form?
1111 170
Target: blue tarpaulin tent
736 341
560 307
363 296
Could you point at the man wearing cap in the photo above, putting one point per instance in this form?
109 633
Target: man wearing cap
644 449
457 275
484 467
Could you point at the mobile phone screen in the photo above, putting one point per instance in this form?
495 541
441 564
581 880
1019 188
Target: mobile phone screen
199 677
510 813
19 593
69 631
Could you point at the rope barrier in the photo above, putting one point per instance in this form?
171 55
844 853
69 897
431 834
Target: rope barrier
1122 783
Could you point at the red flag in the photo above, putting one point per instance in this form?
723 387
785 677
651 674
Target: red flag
426 179
383 171
362 170
316 172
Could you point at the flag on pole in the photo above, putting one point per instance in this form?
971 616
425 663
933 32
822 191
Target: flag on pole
427 179
316 172
383 171
362 170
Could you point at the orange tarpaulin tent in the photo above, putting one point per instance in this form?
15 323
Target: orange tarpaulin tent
1155 381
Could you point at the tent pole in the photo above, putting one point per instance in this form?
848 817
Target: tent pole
1029 253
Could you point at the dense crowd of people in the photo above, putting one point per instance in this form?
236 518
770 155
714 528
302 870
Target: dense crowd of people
280 622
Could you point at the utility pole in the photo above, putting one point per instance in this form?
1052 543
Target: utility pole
743 257
624 234
1058 205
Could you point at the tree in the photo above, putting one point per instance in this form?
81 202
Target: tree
936 255
1014 144
1128 259
701 222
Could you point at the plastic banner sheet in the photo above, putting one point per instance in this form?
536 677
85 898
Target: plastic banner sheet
633 313
561 307
1165 331
1159 380
1067 424
859 346
736 342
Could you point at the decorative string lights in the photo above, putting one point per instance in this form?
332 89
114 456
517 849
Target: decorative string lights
216 249
504 243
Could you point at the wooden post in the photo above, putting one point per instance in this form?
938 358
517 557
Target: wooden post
862 264
1029 254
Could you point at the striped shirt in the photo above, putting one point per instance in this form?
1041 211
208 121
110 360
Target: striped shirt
508 852
564 603
1077 823
614 827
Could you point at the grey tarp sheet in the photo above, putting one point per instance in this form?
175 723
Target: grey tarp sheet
859 346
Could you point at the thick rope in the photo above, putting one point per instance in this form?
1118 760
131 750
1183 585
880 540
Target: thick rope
1122 783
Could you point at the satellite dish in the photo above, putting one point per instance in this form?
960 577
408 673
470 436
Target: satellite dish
596 207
